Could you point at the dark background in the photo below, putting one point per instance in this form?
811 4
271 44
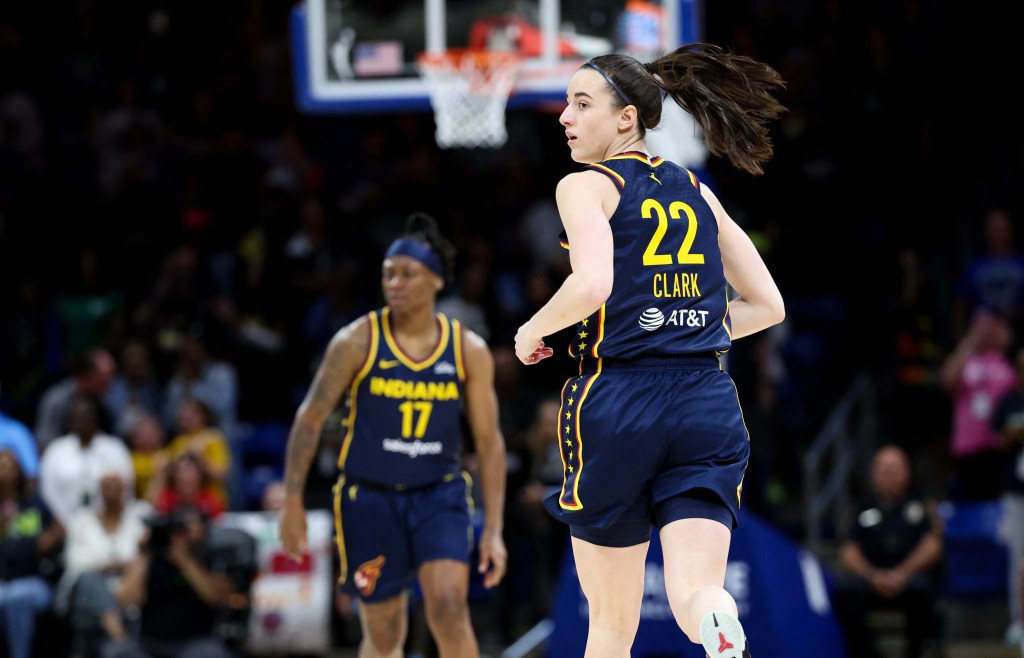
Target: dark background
135 130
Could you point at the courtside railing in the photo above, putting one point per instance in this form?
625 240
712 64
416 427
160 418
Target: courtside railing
848 433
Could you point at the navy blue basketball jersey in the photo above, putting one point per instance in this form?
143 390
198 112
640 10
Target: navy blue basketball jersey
404 422
670 294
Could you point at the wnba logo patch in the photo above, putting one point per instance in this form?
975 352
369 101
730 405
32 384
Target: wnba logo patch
368 574
651 319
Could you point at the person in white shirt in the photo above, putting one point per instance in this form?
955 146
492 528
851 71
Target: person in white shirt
71 465
98 547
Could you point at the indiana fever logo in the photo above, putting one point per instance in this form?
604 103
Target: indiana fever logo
368 574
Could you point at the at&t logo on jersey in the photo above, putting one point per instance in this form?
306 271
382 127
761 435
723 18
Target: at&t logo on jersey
653 319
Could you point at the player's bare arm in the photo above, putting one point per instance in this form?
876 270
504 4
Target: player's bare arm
344 356
584 199
758 304
489 443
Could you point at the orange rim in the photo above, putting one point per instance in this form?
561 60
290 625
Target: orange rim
480 58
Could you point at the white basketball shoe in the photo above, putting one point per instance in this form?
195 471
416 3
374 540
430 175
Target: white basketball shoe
722 636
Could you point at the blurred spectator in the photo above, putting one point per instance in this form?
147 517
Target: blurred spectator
177 591
993 280
98 547
1008 421
30 544
309 258
538 232
273 496
71 465
913 402
182 293
91 310
1019 621
977 374
343 301
135 390
536 542
517 402
91 374
759 371
891 554
146 441
466 302
127 141
17 437
21 117
29 343
199 374
546 467
198 435
182 482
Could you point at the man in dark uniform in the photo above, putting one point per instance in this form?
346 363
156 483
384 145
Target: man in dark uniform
890 556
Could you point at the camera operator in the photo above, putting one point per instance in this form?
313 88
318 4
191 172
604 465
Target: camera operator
177 593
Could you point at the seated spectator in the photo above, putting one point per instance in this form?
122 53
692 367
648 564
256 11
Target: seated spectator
17 437
177 592
30 544
273 496
146 440
182 482
99 546
71 465
890 556
199 435
198 374
90 374
135 390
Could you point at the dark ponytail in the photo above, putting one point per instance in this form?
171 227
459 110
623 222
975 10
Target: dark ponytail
728 95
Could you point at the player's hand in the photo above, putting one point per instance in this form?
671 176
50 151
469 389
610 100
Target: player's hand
291 528
530 349
493 557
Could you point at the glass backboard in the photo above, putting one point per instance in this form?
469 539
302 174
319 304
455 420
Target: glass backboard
359 56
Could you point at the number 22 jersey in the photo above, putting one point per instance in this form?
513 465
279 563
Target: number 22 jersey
670 295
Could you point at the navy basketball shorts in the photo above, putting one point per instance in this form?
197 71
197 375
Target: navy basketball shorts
649 442
384 535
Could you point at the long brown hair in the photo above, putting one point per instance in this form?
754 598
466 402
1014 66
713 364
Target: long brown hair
728 95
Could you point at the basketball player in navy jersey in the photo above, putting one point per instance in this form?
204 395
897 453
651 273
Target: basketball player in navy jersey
651 429
402 503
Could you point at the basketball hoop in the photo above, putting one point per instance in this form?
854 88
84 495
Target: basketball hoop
469 91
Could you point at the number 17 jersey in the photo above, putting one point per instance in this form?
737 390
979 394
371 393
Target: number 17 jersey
405 416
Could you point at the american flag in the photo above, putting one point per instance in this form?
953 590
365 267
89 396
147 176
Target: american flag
378 58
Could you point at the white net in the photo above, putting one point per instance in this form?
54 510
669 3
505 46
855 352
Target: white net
469 92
